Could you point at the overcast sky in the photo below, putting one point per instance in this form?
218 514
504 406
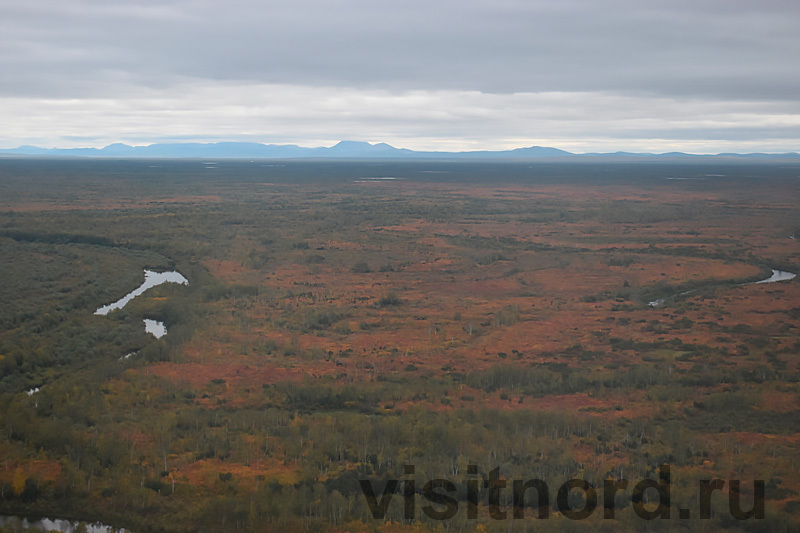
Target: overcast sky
698 76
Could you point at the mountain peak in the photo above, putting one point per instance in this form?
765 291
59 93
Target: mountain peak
361 149
351 144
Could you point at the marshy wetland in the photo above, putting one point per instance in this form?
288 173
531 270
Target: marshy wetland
339 325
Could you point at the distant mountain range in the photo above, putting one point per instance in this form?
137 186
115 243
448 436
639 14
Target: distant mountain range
343 149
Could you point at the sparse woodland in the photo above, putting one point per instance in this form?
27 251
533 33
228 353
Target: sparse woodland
337 328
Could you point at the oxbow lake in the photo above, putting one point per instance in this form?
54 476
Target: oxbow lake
151 279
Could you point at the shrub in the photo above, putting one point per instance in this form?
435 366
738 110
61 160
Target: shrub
361 268
389 299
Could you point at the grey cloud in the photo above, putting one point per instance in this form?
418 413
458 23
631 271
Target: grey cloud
577 74
413 119
737 50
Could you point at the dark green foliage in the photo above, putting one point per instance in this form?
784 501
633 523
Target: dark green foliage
361 268
321 318
389 299
117 432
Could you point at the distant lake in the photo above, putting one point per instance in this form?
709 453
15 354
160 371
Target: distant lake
151 279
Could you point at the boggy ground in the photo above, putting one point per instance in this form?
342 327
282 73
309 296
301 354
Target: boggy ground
339 329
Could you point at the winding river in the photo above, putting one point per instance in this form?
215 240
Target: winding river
777 275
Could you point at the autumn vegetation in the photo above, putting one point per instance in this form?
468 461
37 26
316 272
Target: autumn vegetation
337 328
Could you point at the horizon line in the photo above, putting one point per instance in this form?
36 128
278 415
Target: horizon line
408 151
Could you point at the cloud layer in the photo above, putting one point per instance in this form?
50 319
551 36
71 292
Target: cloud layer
581 75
